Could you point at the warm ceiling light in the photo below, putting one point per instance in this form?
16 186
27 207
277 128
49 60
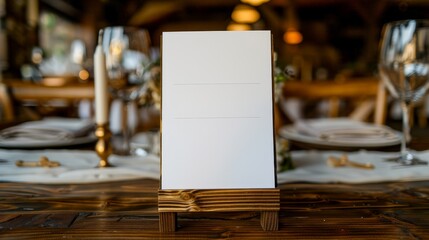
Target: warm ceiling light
245 14
292 37
238 27
255 2
83 75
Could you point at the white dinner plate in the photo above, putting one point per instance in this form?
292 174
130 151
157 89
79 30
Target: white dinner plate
48 143
50 132
341 132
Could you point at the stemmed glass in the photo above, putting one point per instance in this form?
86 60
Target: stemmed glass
128 61
404 68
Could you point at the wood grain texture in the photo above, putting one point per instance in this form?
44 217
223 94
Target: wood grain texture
128 209
219 200
222 200
167 222
270 220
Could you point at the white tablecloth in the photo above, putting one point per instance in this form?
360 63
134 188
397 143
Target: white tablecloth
310 166
76 167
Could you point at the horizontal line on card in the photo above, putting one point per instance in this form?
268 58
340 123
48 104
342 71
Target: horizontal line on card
216 117
228 83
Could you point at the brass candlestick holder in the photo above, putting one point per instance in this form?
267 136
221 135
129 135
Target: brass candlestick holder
103 146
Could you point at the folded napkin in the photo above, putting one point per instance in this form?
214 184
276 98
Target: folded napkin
48 129
311 166
340 132
77 166
345 129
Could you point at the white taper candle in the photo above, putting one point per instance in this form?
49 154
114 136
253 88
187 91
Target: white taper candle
100 79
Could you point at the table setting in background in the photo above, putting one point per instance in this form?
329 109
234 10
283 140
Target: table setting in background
340 150
404 70
47 150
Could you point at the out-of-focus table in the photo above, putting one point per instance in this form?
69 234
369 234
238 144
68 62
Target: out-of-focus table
128 209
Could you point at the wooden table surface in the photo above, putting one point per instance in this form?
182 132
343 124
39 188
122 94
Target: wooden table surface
128 210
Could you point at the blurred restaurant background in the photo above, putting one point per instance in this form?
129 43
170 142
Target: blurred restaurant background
314 40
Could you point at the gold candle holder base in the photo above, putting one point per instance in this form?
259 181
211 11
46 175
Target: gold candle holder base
103 146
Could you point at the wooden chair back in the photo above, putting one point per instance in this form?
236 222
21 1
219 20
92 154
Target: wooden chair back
6 106
368 94
39 94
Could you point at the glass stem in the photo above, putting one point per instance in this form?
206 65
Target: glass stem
405 127
125 129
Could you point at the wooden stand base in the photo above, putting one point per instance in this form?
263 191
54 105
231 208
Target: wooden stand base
266 201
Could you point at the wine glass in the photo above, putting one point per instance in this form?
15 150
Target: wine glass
127 51
404 69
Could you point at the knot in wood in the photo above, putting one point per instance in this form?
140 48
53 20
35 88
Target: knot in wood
186 196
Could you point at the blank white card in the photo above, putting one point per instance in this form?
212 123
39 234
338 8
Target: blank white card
217 112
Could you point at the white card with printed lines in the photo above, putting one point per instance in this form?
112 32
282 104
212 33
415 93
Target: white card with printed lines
217 110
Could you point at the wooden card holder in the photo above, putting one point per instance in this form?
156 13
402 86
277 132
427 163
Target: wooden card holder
199 123
265 201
